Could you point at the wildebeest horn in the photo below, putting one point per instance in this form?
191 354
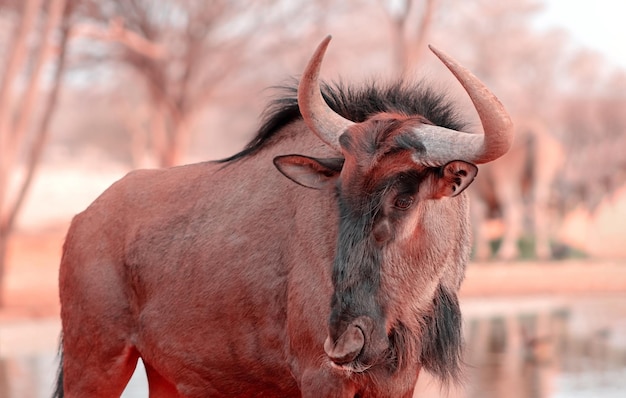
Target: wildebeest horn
442 145
318 116
497 124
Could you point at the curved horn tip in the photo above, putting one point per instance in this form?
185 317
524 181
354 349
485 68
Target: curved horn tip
319 117
496 121
445 58
320 50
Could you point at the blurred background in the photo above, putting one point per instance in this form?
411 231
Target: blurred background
91 89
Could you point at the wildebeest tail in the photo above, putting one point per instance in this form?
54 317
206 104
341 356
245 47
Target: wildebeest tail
58 388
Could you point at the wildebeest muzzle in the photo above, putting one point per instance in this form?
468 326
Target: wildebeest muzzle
359 345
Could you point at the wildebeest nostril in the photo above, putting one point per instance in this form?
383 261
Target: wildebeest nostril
347 347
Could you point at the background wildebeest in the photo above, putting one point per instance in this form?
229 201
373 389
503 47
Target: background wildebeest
228 279
518 189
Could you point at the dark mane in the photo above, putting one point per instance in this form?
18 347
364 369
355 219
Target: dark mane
356 104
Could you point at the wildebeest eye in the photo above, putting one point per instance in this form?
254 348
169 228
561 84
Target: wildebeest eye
403 201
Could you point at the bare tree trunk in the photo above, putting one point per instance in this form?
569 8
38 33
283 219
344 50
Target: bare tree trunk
169 129
409 31
397 43
46 51
179 142
416 37
158 125
4 243
15 63
138 139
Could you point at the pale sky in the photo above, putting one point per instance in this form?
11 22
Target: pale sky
599 24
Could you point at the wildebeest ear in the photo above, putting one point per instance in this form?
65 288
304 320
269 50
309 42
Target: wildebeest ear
454 177
307 171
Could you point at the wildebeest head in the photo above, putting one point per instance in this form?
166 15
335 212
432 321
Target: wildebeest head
388 172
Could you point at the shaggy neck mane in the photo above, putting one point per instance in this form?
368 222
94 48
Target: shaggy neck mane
436 345
356 104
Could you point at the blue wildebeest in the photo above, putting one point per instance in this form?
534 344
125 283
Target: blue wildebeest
229 279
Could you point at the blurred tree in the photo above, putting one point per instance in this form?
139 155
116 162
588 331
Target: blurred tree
28 95
410 22
500 44
181 50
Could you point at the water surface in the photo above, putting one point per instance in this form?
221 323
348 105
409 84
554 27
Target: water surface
533 347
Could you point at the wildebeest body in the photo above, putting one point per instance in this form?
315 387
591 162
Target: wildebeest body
228 279
168 240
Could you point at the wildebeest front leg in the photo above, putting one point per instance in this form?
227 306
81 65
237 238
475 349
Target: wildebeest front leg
323 383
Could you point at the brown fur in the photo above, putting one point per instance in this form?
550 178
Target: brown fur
220 276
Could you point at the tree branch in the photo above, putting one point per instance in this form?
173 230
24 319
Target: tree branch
116 32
